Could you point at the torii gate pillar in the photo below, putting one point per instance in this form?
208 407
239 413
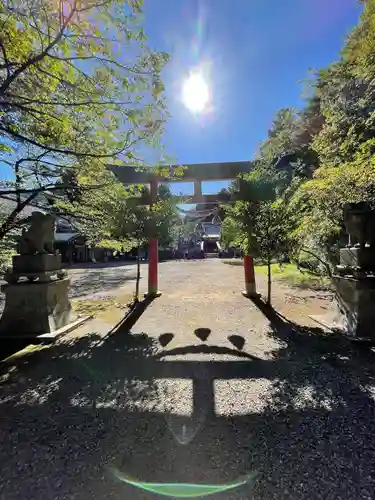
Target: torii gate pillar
250 285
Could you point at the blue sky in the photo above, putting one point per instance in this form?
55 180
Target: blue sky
255 54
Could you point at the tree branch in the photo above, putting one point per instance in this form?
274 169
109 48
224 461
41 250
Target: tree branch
68 152
7 192
9 223
31 111
103 60
61 80
5 66
4 23
62 103
95 6
52 188
88 78
33 60
90 37
45 162
325 264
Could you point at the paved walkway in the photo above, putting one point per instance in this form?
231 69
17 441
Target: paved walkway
207 389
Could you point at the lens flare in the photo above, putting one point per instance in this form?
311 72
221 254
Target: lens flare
195 93
184 490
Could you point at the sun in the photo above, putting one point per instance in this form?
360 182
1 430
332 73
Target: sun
195 93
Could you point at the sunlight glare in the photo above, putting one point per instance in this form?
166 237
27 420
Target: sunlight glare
195 94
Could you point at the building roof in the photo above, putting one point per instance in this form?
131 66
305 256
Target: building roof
65 237
7 205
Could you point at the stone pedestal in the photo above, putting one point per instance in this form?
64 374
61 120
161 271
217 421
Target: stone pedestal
354 279
36 263
357 257
42 267
353 309
35 308
355 305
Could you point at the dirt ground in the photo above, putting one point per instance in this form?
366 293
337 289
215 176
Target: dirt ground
207 390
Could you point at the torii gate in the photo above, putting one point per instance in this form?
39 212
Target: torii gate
195 173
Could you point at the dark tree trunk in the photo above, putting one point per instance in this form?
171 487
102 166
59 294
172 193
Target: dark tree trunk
269 279
138 273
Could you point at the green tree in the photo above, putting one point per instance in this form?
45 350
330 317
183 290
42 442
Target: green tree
318 205
8 243
78 88
344 145
95 212
359 50
280 135
348 110
258 222
327 147
287 151
346 90
137 223
170 220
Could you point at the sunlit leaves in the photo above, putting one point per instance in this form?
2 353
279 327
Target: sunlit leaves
79 88
257 222
78 73
328 146
360 48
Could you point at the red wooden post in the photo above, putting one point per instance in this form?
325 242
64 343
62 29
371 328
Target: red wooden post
250 285
153 251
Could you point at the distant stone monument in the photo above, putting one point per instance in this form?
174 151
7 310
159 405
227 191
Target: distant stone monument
354 277
36 293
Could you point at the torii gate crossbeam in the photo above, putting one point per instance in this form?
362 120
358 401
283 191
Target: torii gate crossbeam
196 173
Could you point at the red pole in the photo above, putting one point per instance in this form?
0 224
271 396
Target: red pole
153 251
250 285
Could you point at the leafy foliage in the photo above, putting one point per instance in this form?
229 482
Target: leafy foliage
287 151
258 221
347 104
137 223
359 50
320 157
78 88
7 245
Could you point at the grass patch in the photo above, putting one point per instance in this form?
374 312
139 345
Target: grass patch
95 307
108 309
88 307
294 277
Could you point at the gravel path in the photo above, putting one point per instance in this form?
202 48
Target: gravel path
96 280
206 389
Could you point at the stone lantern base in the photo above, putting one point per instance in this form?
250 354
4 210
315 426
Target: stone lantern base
353 308
355 305
37 305
36 308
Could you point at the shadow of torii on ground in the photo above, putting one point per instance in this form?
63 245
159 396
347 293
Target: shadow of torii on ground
80 409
